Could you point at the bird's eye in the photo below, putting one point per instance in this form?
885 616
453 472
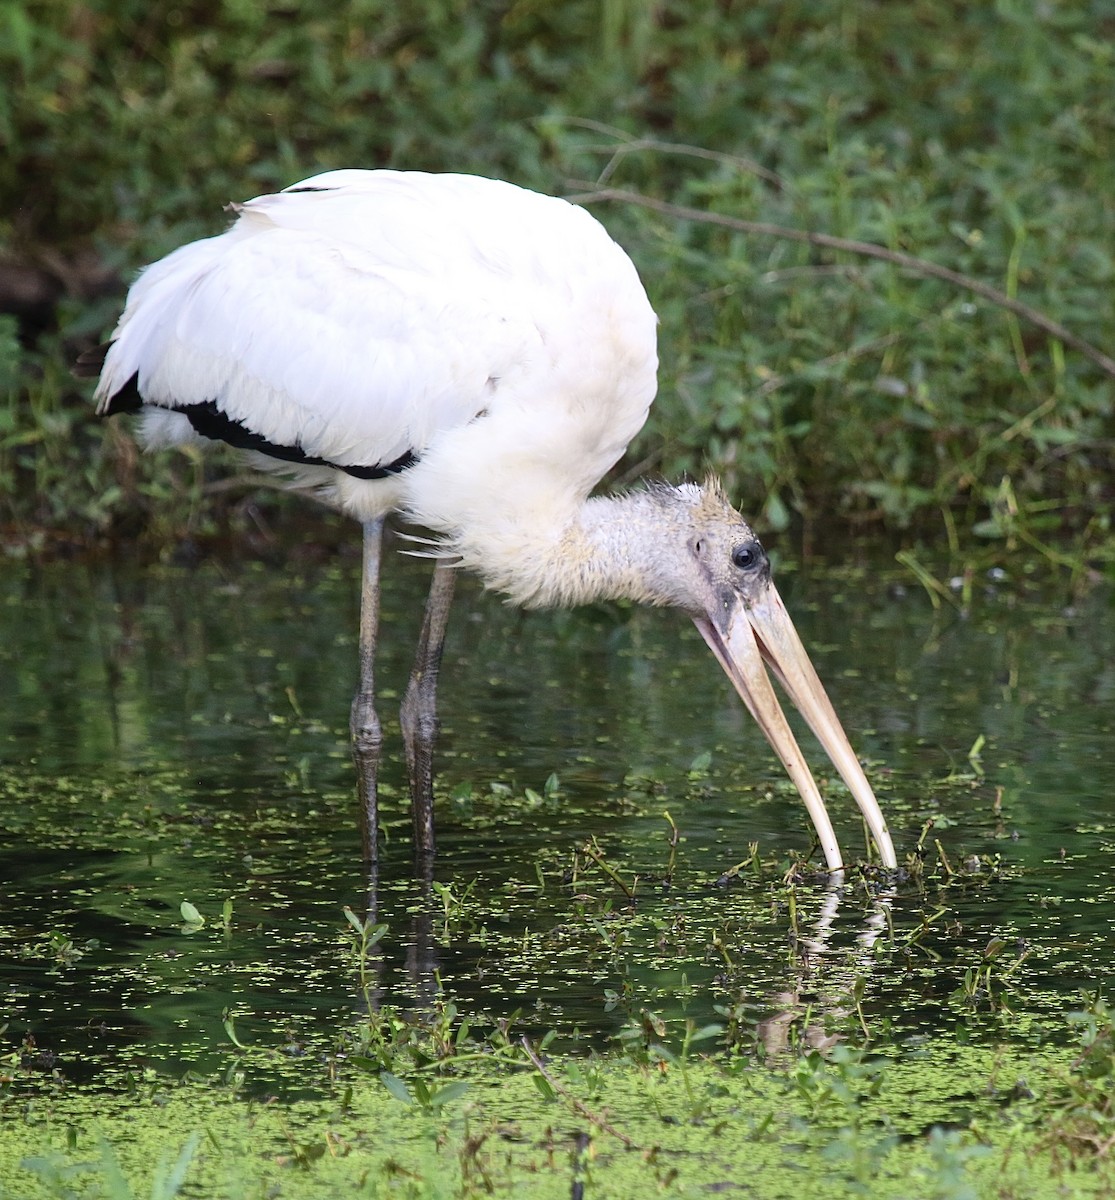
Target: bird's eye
745 556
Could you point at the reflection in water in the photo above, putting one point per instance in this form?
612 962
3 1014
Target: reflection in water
178 735
816 1009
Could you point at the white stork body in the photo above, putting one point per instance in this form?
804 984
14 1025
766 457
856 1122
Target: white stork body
475 357
498 335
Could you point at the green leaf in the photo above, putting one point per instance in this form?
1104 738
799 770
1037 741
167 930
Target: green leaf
229 1022
701 764
396 1087
449 1093
169 1180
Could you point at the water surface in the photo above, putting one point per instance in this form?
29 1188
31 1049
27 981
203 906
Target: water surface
174 733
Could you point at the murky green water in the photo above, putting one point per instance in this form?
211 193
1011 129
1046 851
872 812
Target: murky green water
181 734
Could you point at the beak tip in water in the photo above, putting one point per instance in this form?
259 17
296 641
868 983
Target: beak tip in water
758 635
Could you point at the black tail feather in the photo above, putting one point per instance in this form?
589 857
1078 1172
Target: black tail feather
90 362
126 400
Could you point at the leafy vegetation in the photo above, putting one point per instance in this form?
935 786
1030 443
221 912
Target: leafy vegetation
821 383
667 1111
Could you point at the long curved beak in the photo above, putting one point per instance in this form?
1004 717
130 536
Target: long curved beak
760 631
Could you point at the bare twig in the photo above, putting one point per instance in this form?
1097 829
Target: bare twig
579 1105
869 347
908 262
639 469
625 143
594 852
675 837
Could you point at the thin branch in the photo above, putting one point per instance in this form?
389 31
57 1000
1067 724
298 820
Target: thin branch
628 143
869 347
639 469
907 262
684 150
582 1108
594 852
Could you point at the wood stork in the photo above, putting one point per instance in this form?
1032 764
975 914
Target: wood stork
473 357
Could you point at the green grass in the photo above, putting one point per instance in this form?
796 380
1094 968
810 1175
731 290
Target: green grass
668 1115
823 385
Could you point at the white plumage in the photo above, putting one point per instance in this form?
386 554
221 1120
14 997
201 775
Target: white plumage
499 335
476 357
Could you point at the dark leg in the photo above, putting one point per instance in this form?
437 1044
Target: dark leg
367 736
419 711
422 946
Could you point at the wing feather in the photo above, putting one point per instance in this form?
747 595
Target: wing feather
316 331
365 315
